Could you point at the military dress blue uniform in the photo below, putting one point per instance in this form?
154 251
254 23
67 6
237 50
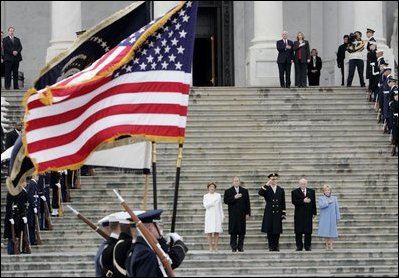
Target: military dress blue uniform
273 215
142 260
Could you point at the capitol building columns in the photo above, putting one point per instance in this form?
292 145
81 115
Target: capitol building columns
66 20
261 66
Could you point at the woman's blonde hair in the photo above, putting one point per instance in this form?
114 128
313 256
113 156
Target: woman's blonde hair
326 186
303 36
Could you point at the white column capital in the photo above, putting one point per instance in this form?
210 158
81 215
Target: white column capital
262 69
161 7
66 20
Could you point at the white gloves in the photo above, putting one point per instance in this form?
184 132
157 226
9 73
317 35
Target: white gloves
173 236
58 185
35 210
25 220
12 221
43 198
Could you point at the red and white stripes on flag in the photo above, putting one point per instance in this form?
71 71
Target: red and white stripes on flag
140 89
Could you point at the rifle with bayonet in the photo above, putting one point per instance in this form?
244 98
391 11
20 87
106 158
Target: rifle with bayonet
97 229
15 240
47 218
37 223
26 248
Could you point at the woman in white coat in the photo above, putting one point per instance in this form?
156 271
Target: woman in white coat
213 216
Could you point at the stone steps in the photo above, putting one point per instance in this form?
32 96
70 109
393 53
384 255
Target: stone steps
328 134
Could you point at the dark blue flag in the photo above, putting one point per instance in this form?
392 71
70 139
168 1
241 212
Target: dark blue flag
94 43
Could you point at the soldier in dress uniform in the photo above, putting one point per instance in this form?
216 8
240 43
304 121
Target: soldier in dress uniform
31 207
394 131
274 211
124 244
304 200
12 216
142 260
386 88
106 258
392 86
44 195
104 223
371 48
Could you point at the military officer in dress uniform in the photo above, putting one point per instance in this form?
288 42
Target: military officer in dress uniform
142 260
104 223
394 131
370 36
106 258
304 200
274 211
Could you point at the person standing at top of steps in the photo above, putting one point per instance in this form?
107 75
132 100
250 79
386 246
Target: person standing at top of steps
274 211
285 59
237 199
214 216
304 200
12 56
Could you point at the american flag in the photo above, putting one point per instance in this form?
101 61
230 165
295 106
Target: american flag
140 88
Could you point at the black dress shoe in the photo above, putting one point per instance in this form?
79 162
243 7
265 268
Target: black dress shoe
298 249
240 250
308 249
233 250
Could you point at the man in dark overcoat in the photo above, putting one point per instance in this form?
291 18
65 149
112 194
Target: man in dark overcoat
304 200
237 199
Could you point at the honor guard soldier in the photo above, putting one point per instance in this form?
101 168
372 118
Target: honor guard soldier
12 224
386 88
124 244
106 258
142 260
392 86
394 132
274 211
370 37
31 207
104 223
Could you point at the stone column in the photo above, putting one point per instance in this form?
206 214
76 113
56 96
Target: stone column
262 68
161 7
66 19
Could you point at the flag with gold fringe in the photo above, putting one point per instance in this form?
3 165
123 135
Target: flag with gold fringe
138 89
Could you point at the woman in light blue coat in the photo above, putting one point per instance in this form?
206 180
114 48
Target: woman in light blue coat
329 216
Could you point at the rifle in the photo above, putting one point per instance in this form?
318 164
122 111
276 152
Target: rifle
47 214
15 240
60 208
148 237
26 244
97 229
37 225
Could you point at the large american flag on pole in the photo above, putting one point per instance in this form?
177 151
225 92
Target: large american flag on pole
140 88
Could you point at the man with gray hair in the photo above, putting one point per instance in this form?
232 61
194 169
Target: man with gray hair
304 200
285 59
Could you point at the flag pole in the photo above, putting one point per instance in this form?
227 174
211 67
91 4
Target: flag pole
177 181
154 173
145 191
